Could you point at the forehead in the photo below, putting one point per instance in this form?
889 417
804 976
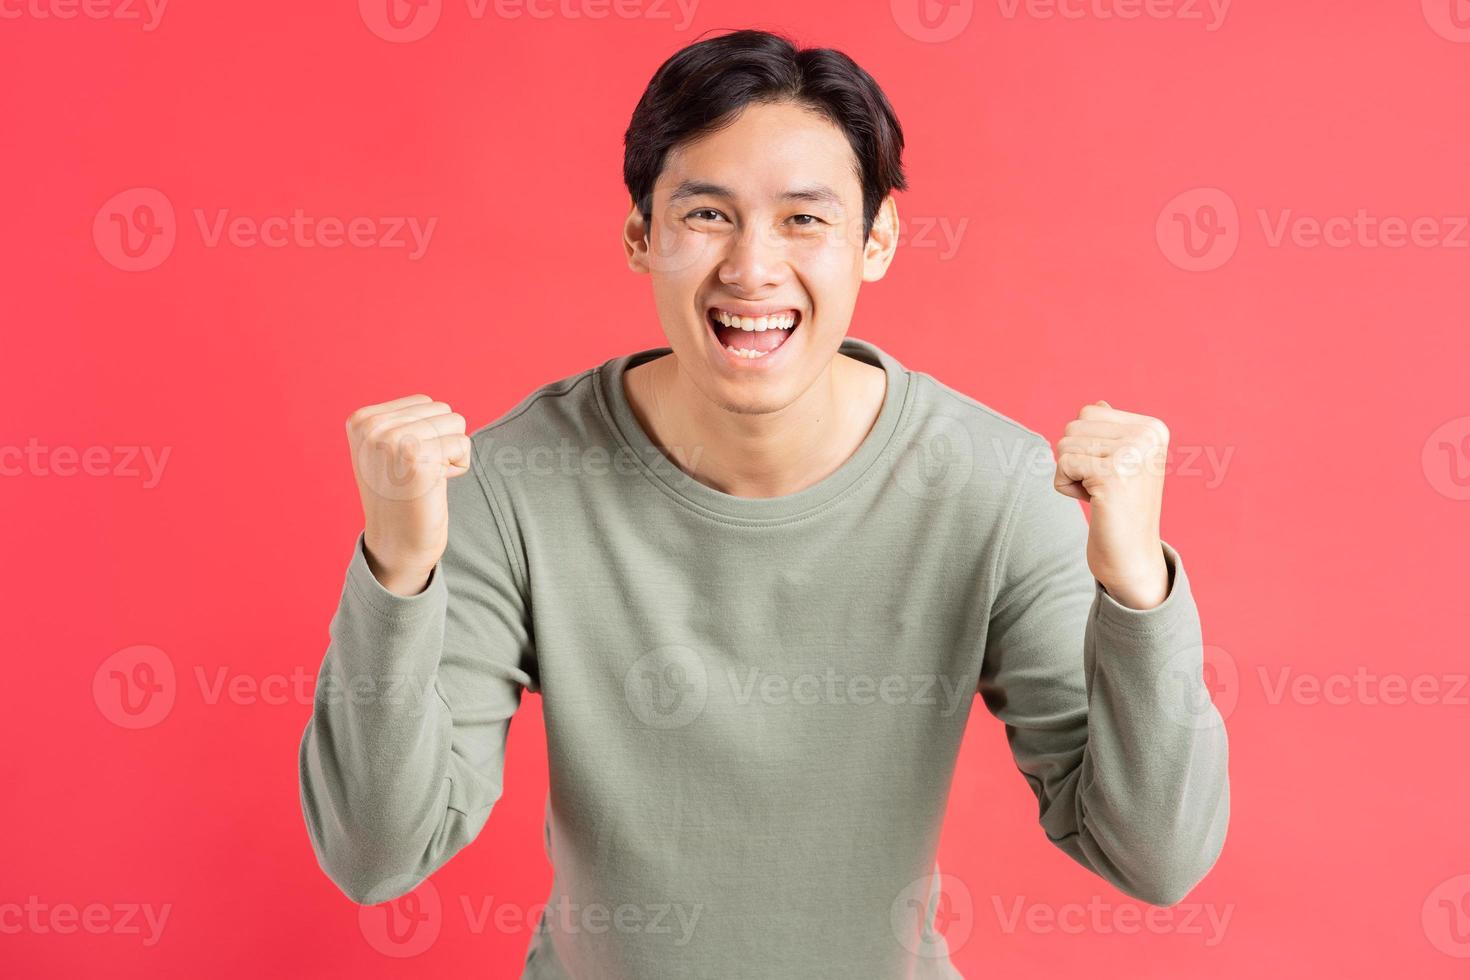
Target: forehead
769 152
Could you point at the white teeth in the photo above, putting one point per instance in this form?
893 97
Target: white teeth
781 321
748 354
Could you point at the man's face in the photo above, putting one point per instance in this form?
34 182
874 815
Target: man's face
761 220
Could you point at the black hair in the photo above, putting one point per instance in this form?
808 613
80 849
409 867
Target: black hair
704 86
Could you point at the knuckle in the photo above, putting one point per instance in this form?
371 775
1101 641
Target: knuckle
377 433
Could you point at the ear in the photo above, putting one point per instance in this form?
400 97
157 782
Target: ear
635 240
882 241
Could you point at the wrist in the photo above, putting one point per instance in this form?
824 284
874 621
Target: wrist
399 577
1144 589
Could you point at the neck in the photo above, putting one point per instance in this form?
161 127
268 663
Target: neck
760 454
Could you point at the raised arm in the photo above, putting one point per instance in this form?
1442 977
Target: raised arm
402 758
1104 706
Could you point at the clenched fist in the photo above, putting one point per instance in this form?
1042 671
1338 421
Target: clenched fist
404 452
1115 461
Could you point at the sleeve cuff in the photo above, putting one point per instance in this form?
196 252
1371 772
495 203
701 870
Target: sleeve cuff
391 605
1160 618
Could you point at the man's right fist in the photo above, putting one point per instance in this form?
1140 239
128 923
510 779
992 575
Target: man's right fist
403 453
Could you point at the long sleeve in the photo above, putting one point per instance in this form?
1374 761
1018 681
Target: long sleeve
1105 710
402 758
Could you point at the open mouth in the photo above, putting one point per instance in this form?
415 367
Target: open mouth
752 337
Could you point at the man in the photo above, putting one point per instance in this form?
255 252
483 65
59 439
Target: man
756 576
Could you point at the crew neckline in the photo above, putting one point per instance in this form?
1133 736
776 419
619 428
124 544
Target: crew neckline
652 462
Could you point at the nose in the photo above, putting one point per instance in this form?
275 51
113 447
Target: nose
755 262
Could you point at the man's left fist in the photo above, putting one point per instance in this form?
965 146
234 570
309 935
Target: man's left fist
1115 461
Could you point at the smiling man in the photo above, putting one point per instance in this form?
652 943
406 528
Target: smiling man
757 577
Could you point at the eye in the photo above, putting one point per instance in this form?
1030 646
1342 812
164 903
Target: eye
808 224
699 211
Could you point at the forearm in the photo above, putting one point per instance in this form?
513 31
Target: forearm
1153 804
375 752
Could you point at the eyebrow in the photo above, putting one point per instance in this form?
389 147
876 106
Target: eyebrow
815 193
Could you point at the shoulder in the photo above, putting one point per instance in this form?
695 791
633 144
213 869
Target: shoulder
546 430
544 410
536 435
1001 449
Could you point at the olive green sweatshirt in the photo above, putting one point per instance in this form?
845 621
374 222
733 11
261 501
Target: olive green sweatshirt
753 705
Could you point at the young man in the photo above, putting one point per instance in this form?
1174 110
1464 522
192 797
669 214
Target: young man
757 576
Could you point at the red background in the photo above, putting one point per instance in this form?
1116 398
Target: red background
1330 546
